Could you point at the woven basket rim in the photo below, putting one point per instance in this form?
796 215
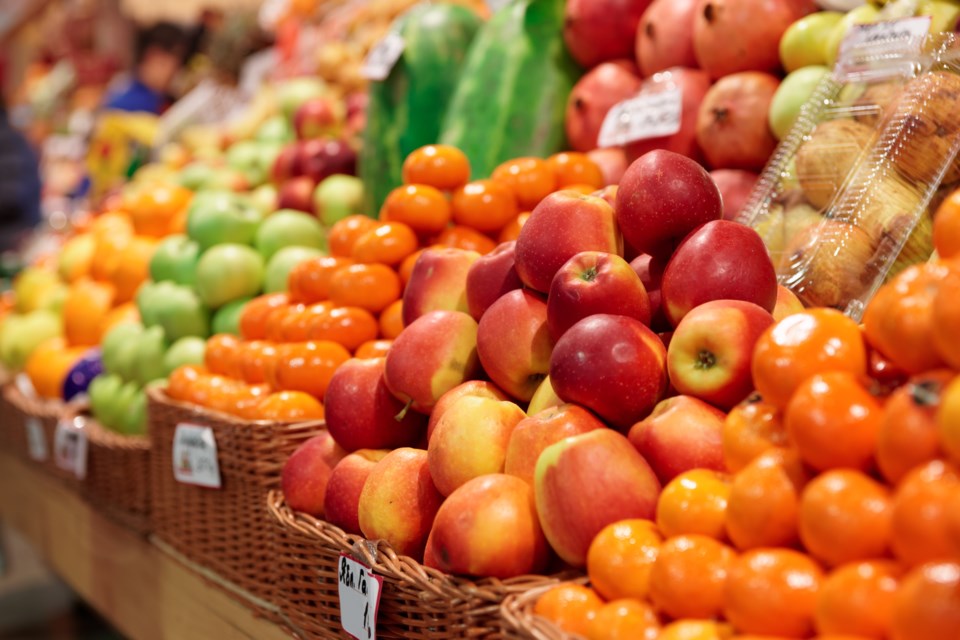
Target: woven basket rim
158 393
516 614
40 407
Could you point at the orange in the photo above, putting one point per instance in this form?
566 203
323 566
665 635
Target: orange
153 207
309 280
571 168
84 311
625 619
48 365
688 576
750 429
460 237
530 179
133 267
387 243
307 366
899 319
946 317
295 324
343 234
927 605
126 312
833 421
253 318
694 502
571 606
406 267
857 599
439 165
111 232
256 358
764 505
773 591
484 205
276 318
694 630
948 420
946 226
183 380
908 435
920 503
953 522
620 557
804 344
373 349
247 400
391 320
845 516
350 326
369 286
423 208
222 355
289 406
512 229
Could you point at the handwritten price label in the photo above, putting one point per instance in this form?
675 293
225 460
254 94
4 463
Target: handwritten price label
359 589
648 115
383 57
36 440
195 456
70 447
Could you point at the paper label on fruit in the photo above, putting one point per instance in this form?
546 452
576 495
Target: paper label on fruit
36 440
651 114
70 447
359 588
383 57
195 456
878 42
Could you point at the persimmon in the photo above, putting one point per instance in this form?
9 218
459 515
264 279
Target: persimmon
530 179
421 207
484 205
441 166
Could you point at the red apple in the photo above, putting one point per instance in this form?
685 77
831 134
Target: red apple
681 434
612 163
732 127
319 117
341 502
514 344
470 440
712 348
297 193
361 413
664 196
722 260
287 164
592 97
693 85
665 36
586 482
593 282
468 532
473 388
434 354
561 226
736 186
650 270
491 276
540 430
438 282
399 502
613 365
323 157
306 472
787 304
600 30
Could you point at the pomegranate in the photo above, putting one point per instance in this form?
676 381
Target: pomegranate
593 96
665 36
693 85
735 186
599 30
732 127
743 35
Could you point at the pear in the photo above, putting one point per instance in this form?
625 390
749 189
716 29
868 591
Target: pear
826 159
931 125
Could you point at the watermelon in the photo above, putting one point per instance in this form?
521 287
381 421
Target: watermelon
513 90
406 110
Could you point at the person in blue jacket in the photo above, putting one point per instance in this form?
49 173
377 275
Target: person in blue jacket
160 53
19 185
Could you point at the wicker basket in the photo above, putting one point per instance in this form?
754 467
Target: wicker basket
519 622
22 408
416 602
227 532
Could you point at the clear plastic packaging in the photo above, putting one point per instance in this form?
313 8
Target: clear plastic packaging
847 199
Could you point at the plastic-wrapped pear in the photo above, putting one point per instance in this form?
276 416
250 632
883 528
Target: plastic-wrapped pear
877 102
931 128
829 264
827 157
889 205
781 225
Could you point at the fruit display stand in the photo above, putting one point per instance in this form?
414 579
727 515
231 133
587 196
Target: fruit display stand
35 415
416 602
227 530
145 593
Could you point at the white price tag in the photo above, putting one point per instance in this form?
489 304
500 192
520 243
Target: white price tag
195 456
382 57
36 440
496 5
70 447
906 34
359 589
649 115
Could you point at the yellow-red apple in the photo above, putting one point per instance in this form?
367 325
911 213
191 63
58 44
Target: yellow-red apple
341 502
540 430
787 304
476 388
490 277
306 472
438 282
543 398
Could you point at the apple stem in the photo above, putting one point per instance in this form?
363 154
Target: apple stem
403 412
705 360
589 275
720 113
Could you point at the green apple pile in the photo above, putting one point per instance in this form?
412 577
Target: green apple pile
35 318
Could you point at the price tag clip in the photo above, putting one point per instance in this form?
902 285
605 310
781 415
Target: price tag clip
359 588
195 456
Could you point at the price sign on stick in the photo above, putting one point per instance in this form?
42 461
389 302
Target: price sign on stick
195 456
651 114
359 589
383 57
70 447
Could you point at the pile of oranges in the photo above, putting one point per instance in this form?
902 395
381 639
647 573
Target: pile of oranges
839 515
350 302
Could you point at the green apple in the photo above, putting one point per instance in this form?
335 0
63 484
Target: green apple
181 313
804 42
289 228
253 159
33 286
264 198
282 262
227 317
175 259
229 272
53 298
294 92
134 418
196 175
118 350
275 129
944 15
220 217
860 15
76 254
337 197
187 350
794 91
148 298
103 392
22 333
148 356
